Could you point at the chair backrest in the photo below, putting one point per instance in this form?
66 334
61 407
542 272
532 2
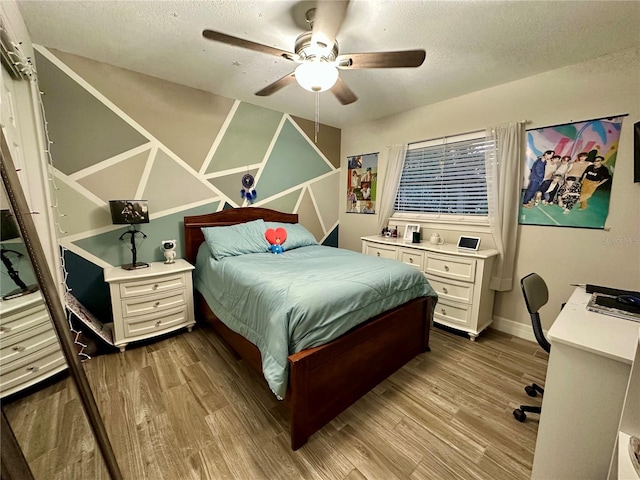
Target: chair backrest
536 295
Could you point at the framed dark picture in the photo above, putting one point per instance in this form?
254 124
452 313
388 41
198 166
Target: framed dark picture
129 212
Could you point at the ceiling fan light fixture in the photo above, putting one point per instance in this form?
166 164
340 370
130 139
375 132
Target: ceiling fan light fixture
316 76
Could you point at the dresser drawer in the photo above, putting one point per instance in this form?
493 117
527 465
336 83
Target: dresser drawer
453 290
26 342
451 267
381 251
152 303
31 368
452 313
156 323
24 320
151 285
415 258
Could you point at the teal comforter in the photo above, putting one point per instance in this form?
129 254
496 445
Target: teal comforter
302 298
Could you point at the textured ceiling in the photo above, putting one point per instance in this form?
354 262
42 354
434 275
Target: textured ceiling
470 45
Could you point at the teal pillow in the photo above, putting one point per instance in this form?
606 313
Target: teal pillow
297 235
236 239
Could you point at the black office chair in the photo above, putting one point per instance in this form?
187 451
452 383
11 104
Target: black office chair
536 295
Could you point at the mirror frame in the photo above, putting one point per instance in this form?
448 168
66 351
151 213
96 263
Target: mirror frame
55 308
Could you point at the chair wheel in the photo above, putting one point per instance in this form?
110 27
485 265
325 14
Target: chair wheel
530 391
519 415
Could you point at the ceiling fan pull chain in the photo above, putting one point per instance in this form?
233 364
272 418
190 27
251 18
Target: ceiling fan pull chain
317 119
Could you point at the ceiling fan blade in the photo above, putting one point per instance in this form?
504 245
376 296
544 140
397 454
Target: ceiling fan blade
405 58
239 42
343 93
327 20
277 85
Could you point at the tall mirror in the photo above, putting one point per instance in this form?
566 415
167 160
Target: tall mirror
49 416
40 400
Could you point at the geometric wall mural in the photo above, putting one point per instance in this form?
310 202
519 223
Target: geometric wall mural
111 182
86 131
246 139
111 144
171 184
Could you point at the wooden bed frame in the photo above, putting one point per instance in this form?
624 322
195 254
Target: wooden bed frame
324 380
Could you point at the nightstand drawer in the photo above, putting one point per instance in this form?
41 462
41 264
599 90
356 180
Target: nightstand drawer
452 314
153 303
23 344
151 285
32 367
451 289
24 320
451 267
156 322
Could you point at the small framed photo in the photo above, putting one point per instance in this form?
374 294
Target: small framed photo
408 231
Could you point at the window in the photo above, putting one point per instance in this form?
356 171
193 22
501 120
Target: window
445 177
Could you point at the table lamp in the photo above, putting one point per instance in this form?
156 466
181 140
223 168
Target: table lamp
130 212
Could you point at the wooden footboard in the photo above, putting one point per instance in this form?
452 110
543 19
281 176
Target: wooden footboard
326 380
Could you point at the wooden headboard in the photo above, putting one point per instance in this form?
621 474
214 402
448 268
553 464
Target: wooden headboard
193 236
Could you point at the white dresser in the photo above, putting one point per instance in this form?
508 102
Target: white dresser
460 278
150 301
29 348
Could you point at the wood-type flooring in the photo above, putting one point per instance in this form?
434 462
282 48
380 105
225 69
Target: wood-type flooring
183 407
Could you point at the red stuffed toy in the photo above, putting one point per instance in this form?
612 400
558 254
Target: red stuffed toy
276 238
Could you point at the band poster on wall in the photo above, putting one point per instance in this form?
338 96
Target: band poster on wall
569 172
362 183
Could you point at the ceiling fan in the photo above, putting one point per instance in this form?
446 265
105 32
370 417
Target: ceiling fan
318 55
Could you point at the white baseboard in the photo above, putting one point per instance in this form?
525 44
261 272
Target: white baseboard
516 329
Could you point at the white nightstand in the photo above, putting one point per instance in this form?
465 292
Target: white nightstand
150 301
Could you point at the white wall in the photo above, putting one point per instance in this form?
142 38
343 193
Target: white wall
603 87
29 136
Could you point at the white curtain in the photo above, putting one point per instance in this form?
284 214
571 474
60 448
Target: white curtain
391 179
504 174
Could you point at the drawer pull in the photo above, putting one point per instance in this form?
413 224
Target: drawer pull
32 369
18 348
446 268
378 254
156 305
5 329
444 290
155 287
444 312
411 260
158 323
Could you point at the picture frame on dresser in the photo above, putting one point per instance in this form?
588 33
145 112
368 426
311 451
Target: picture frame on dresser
409 229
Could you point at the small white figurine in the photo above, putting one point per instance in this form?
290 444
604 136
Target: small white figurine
169 250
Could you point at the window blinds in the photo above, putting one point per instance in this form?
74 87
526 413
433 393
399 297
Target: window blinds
445 176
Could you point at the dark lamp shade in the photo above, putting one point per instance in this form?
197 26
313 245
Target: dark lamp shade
9 227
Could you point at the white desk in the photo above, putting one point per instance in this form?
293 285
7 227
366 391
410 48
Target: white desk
587 376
